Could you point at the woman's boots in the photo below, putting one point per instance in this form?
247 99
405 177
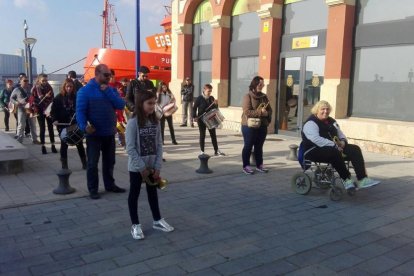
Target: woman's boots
65 163
84 163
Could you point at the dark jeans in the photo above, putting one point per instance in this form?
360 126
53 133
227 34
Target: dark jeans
202 129
6 119
135 181
64 148
170 126
333 156
253 137
42 126
94 145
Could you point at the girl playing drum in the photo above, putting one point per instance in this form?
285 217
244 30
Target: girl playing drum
62 113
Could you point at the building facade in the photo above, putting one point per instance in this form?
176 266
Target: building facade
12 65
349 52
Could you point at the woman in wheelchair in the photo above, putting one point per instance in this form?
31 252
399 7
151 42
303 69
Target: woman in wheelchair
323 141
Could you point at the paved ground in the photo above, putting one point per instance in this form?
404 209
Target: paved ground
226 222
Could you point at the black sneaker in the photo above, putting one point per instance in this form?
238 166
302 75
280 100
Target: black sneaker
94 196
175 142
183 125
116 189
44 150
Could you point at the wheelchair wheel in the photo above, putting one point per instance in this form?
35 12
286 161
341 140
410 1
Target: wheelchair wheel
335 194
301 183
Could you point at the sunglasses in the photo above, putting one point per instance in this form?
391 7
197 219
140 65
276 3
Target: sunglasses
106 75
26 80
145 76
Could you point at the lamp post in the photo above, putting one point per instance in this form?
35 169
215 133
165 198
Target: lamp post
26 62
138 45
29 43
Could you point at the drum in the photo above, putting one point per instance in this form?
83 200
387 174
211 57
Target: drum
158 112
169 109
72 135
213 118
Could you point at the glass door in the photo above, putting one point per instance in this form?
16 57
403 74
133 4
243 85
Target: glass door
289 90
313 80
300 81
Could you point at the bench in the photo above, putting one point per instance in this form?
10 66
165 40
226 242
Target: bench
12 154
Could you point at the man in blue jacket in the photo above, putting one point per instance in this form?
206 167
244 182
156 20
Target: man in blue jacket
96 103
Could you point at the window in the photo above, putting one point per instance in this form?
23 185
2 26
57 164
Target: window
304 16
201 75
202 34
243 70
371 11
384 83
245 26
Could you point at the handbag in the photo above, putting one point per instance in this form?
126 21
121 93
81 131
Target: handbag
254 122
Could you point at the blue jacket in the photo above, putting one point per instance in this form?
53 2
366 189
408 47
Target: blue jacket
98 108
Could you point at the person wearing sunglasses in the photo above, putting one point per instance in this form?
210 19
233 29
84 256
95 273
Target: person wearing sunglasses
142 83
96 103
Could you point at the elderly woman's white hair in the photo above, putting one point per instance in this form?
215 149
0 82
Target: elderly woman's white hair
320 105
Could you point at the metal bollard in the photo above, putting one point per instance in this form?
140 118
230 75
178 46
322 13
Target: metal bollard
64 187
204 164
293 154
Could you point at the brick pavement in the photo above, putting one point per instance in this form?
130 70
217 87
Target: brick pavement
226 223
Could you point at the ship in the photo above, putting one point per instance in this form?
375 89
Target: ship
157 59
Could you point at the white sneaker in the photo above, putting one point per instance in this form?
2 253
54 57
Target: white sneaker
367 182
201 153
136 232
162 225
348 184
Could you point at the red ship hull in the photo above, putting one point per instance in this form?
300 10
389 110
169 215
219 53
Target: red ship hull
123 63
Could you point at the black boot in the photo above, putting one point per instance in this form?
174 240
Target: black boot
54 149
84 163
64 163
44 149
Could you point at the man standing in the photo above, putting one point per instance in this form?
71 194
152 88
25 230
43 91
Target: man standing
4 102
19 98
139 84
187 96
72 76
95 114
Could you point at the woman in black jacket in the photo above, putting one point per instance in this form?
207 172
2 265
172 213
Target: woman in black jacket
204 103
63 110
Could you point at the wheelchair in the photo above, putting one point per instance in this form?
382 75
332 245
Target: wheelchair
321 176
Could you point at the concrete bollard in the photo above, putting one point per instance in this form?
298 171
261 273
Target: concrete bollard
293 153
204 164
64 187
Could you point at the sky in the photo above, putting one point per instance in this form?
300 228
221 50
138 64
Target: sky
66 29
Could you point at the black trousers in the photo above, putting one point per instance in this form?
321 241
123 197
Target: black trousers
202 129
6 119
170 126
135 181
333 156
42 126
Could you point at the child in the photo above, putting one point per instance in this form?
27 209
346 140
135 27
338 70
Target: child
144 148
204 103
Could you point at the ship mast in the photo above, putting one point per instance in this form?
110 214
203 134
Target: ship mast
106 25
